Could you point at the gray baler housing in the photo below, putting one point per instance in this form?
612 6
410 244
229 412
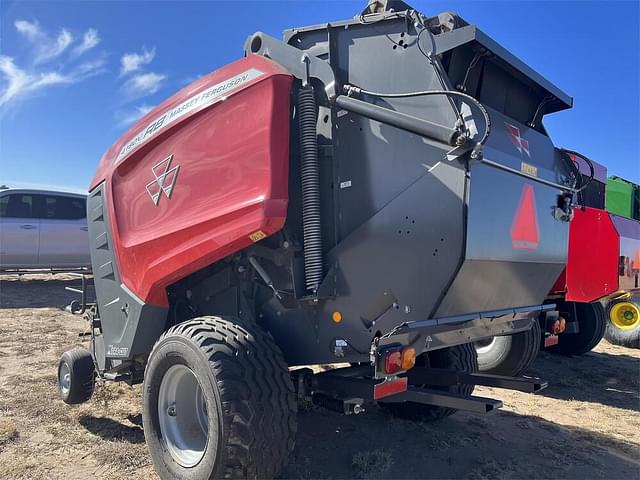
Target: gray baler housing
408 234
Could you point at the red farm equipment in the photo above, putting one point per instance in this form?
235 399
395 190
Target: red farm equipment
377 192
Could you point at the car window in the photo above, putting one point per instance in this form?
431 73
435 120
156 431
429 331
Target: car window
16 205
63 208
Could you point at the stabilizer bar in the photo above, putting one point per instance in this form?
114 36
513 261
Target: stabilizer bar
437 398
441 377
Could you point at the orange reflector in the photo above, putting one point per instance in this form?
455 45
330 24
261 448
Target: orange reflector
393 362
408 358
337 317
386 389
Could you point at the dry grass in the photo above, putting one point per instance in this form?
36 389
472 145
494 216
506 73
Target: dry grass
8 431
585 425
372 463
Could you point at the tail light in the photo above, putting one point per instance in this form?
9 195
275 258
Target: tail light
559 326
393 362
398 360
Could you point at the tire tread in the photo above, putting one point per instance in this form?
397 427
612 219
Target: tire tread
82 370
258 401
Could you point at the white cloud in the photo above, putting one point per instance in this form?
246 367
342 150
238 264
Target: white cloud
89 40
18 82
134 115
31 30
44 47
132 62
144 84
55 48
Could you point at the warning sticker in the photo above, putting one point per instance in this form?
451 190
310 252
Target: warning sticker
529 169
202 99
257 236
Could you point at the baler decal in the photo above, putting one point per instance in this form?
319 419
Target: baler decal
525 233
520 143
200 100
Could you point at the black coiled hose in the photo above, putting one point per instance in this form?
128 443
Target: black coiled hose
310 176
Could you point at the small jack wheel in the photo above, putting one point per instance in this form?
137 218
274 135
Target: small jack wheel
76 376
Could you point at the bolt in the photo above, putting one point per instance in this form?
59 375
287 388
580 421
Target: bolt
171 411
407 309
357 409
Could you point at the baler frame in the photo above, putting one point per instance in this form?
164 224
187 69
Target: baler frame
347 390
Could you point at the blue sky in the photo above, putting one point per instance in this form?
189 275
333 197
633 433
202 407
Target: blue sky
74 75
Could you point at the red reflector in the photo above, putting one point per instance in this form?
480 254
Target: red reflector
387 389
393 362
525 233
551 340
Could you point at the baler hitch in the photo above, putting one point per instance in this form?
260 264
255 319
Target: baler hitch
346 390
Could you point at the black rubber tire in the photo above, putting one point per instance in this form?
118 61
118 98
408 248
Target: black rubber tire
592 323
511 355
461 358
245 380
82 376
617 336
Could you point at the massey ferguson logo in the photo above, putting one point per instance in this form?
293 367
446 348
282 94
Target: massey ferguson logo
165 179
520 143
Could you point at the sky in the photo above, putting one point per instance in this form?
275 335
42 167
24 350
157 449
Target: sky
75 75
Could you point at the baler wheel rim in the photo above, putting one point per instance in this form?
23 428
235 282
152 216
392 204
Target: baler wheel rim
625 316
65 378
183 416
485 344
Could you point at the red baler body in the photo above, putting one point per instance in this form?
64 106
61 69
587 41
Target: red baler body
233 159
603 256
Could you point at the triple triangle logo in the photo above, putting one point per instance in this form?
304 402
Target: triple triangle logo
165 180
520 143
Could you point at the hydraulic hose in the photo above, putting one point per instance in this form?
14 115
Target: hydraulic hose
592 173
310 176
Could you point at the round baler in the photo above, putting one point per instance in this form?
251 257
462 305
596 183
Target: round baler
379 192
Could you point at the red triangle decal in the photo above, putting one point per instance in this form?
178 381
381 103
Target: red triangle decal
525 234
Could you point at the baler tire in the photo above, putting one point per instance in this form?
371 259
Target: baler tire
461 358
511 355
592 323
76 376
629 338
242 376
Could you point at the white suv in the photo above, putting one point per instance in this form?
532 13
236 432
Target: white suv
43 229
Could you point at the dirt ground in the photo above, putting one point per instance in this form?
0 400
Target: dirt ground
585 425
